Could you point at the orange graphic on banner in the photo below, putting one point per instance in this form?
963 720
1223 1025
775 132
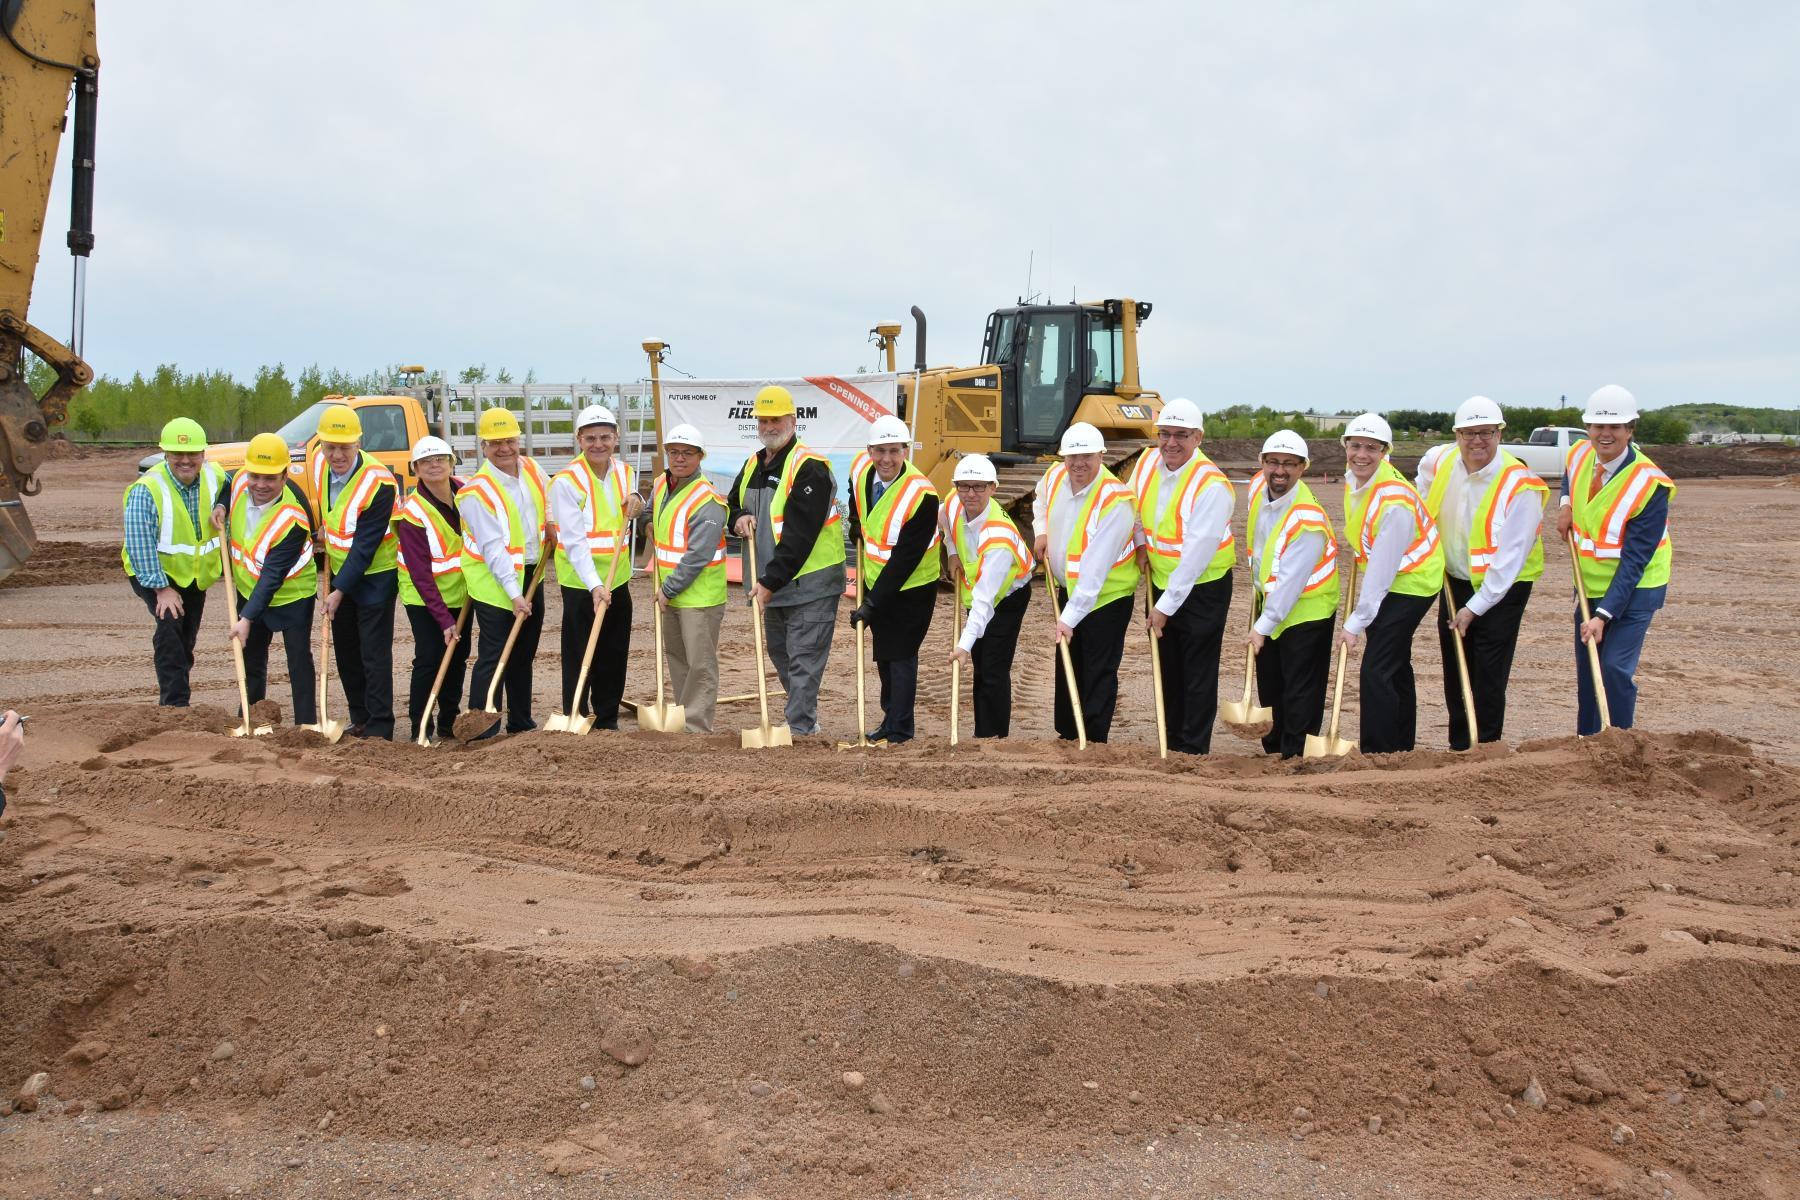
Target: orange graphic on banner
854 398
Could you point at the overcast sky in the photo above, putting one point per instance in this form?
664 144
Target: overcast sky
1337 206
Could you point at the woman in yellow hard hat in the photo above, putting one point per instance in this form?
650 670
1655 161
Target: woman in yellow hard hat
355 497
171 551
264 514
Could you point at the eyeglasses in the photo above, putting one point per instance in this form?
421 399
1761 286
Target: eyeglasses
1478 435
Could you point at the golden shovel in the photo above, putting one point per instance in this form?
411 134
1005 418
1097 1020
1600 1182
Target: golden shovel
237 647
1156 688
1068 663
326 728
765 735
955 659
437 685
862 741
1462 667
1330 745
1592 648
658 717
472 725
1247 711
574 722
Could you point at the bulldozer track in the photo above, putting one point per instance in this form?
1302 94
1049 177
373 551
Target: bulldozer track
1018 481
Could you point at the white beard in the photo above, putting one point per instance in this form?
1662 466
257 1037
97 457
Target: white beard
772 441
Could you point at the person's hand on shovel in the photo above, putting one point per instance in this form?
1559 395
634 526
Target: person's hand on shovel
1352 641
1461 622
240 631
602 595
1256 641
332 600
1593 629
1064 632
1159 620
961 656
218 516
1565 520
451 636
521 607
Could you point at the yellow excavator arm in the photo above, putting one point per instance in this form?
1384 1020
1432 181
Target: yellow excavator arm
47 52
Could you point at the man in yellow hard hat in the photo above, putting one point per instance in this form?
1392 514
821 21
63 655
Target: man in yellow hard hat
593 501
784 506
354 498
505 511
171 551
264 513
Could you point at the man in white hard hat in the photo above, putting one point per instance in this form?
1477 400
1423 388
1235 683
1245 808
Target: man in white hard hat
593 501
893 522
1089 520
1293 571
432 590
507 530
1184 506
688 524
1617 502
1489 508
1400 561
784 506
992 567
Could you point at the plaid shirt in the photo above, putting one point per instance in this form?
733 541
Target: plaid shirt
141 529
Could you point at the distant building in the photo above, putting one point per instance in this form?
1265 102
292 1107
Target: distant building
1324 422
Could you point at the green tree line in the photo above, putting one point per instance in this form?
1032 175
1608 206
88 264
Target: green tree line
1734 418
1656 428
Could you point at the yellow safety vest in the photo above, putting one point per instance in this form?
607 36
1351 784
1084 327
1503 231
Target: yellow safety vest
604 503
828 548
1512 478
487 489
881 524
1599 523
1421 570
669 530
1166 529
338 520
189 556
250 547
997 532
445 545
1104 494
1320 596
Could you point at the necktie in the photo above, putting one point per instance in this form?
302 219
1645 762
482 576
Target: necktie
1597 482
880 487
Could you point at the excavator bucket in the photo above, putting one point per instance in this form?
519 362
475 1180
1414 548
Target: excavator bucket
17 538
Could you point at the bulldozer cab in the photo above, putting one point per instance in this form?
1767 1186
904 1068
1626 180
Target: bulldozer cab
1052 357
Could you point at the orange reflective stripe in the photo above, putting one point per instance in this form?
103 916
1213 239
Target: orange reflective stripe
1299 519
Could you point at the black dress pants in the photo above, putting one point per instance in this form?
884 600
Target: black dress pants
897 631
1096 648
362 644
1387 698
173 642
1189 650
992 655
494 624
606 678
1290 679
295 620
428 656
1489 646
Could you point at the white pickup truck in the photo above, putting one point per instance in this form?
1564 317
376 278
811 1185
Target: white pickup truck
1546 450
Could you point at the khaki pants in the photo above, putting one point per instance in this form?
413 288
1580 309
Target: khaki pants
691 641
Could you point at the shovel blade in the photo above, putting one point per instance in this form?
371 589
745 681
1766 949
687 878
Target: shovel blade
1243 712
662 718
763 737
558 723
331 731
581 726
1338 747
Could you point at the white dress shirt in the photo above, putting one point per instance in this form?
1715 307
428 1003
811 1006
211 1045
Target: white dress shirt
569 510
1519 525
1392 537
986 585
1206 523
1292 570
490 532
1112 535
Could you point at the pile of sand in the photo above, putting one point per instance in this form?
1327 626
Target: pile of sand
834 973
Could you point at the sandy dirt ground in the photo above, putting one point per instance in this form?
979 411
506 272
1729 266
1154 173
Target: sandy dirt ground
633 965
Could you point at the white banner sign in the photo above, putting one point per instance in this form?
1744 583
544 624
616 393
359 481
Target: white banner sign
833 414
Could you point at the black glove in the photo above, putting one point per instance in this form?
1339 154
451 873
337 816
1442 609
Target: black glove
860 614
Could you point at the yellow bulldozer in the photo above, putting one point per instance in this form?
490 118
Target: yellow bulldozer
47 50
1043 367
